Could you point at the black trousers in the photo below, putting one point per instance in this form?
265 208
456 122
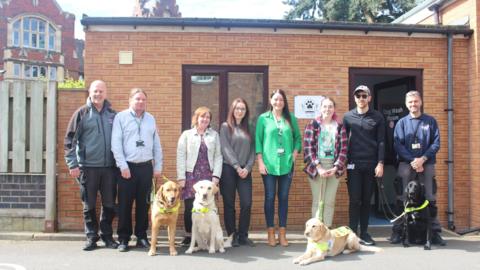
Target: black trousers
137 189
187 215
229 185
360 188
93 180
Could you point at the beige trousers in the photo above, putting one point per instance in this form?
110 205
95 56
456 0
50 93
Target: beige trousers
324 191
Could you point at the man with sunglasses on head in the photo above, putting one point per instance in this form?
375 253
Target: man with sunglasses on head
366 150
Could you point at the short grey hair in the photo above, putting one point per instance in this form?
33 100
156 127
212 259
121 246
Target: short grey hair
135 91
413 93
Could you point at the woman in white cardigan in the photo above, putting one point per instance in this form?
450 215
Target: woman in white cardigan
199 157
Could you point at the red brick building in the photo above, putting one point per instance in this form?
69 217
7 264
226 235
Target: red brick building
185 63
37 40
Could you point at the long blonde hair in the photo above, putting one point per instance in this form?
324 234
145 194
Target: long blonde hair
199 112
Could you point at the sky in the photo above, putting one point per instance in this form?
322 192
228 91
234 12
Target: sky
239 9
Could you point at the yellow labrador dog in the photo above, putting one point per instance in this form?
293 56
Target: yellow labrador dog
165 212
206 230
323 242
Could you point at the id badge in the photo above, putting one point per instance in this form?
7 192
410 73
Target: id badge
280 151
140 143
350 166
416 146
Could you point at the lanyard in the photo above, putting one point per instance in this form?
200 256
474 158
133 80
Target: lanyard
138 122
416 130
279 124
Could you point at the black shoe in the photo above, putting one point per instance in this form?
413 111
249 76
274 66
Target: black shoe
143 243
396 238
438 240
123 246
186 241
235 240
245 241
90 245
110 243
366 240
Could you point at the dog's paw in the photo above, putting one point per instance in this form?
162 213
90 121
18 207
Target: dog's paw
296 261
304 262
221 250
211 251
151 253
189 251
173 252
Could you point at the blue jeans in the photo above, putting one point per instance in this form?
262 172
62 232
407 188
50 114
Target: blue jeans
270 186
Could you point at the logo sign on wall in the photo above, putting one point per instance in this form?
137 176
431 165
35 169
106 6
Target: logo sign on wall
307 107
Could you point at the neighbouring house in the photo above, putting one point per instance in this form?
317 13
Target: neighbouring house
156 8
37 41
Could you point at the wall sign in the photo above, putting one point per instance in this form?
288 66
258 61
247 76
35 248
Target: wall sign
307 107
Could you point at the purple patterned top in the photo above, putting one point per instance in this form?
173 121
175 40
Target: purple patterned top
201 171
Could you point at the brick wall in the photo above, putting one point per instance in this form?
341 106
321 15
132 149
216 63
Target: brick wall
301 64
22 191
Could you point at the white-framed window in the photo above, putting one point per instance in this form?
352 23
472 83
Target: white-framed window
17 70
33 32
53 74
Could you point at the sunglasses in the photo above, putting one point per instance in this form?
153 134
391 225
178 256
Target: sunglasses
359 96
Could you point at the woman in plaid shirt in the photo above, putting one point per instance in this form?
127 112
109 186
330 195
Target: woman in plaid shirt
325 153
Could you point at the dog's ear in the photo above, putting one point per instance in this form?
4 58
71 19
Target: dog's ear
215 188
160 194
422 190
196 186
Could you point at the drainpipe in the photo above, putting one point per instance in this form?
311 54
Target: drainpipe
451 225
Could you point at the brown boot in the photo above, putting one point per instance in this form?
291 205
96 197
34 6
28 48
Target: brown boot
271 237
282 237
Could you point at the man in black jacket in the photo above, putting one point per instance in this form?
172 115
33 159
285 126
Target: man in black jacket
90 161
366 150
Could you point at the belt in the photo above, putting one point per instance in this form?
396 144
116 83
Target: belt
140 164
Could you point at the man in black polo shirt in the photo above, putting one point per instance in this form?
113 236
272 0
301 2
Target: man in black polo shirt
366 149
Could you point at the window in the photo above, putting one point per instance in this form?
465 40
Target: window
217 86
17 70
35 71
53 73
33 32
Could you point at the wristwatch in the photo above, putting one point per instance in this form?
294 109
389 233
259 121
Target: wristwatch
424 158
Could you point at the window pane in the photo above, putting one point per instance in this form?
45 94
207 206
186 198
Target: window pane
51 38
248 86
41 26
34 24
53 73
16 24
43 72
16 38
35 72
16 70
41 41
28 71
205 91
26 24
26 39
34 40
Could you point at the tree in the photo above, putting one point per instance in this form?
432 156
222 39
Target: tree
371 11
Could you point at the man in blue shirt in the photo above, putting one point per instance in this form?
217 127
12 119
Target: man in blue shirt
138 153
417 141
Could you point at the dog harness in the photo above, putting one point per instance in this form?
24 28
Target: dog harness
411 209
164 210
327 246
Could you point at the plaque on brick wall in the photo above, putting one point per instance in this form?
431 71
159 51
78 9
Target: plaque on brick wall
307 107
125 57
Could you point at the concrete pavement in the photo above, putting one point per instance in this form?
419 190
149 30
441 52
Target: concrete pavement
63 251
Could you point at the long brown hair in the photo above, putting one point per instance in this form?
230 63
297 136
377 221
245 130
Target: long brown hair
244 124
285 111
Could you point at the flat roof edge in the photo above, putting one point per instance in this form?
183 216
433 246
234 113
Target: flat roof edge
290 24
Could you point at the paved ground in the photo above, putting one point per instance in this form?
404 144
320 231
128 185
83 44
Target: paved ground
64 252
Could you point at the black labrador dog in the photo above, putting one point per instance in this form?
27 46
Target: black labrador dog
417 225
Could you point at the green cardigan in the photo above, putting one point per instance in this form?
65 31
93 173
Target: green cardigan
268 141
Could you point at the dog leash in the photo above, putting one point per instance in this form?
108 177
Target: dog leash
387 211
411 209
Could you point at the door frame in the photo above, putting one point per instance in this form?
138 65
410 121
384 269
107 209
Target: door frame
355 72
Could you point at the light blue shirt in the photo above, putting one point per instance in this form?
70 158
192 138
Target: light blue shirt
127 131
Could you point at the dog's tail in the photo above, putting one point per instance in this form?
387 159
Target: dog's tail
370 248
227 243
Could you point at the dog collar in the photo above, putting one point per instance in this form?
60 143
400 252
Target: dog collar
164 210
202 210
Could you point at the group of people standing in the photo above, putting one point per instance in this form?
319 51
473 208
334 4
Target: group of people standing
98 138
